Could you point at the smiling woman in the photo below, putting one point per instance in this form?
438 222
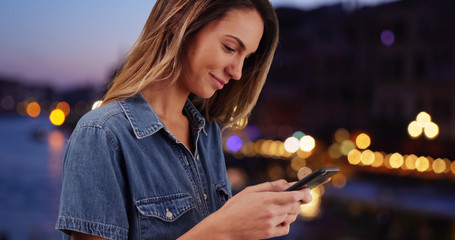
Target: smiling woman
148 163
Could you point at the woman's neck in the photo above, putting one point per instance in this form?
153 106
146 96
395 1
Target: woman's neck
166 100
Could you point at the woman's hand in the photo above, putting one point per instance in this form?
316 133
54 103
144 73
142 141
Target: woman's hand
257 212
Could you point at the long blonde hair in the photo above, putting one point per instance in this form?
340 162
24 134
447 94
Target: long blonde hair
157 55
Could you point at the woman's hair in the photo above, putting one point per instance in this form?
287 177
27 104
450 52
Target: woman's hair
157 55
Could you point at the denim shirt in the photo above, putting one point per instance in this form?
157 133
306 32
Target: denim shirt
125 176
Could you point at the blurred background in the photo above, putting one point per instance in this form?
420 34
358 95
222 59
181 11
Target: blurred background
366 85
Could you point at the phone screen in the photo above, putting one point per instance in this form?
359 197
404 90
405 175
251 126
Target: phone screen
315 178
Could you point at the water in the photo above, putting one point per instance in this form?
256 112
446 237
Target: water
30 177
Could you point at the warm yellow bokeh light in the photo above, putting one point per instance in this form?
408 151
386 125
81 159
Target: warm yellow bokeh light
387 161
396 160
414 129
303 154
292 144
65 107
57 117
452 167
339 180
431 130
298 163
307 143
367 157
378 159
341 134
363 141
423 119
422 164
410 162
439 166
354 157
33 109
346 147
312 209
334 151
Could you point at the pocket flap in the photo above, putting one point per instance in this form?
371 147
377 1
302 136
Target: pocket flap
167 208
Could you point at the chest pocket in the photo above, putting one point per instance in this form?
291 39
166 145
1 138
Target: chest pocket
167 208
165 217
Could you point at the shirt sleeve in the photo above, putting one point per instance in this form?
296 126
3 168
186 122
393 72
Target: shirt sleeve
93 197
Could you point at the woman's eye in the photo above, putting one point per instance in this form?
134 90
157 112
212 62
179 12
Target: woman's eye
229 49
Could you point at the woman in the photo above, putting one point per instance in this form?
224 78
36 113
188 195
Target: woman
149 164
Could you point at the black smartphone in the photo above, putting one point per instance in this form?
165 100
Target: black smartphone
315 178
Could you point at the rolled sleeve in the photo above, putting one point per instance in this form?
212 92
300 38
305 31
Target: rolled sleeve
93 191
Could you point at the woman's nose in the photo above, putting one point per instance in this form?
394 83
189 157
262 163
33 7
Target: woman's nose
235 69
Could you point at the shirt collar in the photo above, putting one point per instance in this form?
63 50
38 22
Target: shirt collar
145 121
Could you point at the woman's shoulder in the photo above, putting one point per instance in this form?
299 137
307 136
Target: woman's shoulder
109 114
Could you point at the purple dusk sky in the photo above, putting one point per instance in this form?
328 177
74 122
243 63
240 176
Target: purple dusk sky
68 44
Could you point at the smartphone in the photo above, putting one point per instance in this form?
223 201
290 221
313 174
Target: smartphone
315 178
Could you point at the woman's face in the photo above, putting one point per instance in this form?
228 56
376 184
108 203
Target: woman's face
216 54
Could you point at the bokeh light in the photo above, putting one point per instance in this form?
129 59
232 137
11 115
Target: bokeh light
422 164
234 143
298 134
7 102
439 166
307 143
387 37
423 118
346 146
414 129
65 107
378 159
431 130
33 109
298 163
354 157
367 157
396 160
410 162
341 134
292 144
57 117
312 209
363 141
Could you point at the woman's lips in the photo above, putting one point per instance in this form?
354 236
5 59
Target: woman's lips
218 82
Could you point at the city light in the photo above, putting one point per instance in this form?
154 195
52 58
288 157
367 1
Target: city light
312 209
292 144
423 124
396 160
57 117
234 143
431 130
33 109
387 38
363 141
367 157
65 107
354 157
307 143
414 129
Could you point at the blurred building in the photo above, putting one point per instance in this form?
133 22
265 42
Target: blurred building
373 69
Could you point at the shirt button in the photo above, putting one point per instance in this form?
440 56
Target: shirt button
169 214
197 157
205 196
